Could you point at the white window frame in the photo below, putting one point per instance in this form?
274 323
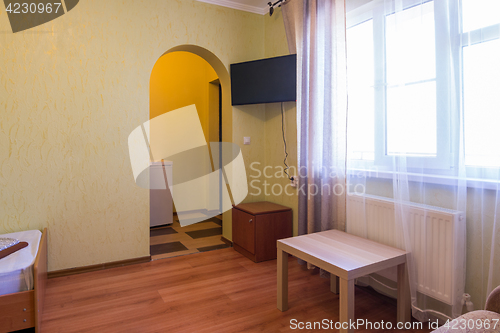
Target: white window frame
375 11
438 171
481 35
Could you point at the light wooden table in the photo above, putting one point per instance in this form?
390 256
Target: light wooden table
346 257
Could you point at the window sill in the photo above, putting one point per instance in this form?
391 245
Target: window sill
489 184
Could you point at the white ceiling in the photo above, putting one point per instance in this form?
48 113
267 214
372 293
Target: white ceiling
252 6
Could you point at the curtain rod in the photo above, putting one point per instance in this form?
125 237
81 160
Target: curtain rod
271 6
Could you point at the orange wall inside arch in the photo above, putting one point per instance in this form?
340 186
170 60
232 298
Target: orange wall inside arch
180 79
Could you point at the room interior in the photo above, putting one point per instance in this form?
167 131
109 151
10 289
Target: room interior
73 89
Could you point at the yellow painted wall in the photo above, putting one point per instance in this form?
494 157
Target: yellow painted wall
71 91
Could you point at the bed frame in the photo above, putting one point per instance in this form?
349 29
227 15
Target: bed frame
24 309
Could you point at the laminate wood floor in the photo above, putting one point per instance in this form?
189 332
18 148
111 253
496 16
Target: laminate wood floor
216 291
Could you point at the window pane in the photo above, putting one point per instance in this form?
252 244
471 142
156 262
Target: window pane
411 119
478 14
410 45
482 103
360 78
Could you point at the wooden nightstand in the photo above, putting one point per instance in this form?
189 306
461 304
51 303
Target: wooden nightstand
257 226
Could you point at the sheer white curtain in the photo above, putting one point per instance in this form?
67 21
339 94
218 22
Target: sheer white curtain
424 118
423 81
316 32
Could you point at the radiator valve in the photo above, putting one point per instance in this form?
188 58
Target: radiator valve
468 304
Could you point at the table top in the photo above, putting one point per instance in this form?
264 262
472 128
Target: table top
343 254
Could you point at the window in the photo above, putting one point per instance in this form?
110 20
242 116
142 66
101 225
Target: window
481 81
411 75
408 91
361 91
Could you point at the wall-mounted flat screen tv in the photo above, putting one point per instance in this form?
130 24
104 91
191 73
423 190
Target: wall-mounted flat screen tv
264 81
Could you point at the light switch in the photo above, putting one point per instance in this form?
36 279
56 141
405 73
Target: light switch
246 140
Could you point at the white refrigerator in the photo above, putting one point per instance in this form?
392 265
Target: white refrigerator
160 198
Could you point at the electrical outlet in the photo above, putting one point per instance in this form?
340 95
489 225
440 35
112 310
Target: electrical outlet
294 182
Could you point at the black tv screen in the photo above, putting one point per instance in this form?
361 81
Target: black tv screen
264 81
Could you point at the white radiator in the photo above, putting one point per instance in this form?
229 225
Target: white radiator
432 231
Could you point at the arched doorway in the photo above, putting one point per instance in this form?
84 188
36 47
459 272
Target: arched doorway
186 75
223 74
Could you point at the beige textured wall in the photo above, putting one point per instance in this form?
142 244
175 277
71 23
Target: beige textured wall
71 91
248 120
276 45
262 123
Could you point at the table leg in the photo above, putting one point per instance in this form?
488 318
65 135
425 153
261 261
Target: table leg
282 280
404 297
334 283
346 305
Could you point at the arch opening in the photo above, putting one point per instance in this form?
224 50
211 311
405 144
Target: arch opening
169 77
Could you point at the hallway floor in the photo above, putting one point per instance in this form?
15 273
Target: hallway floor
174 240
